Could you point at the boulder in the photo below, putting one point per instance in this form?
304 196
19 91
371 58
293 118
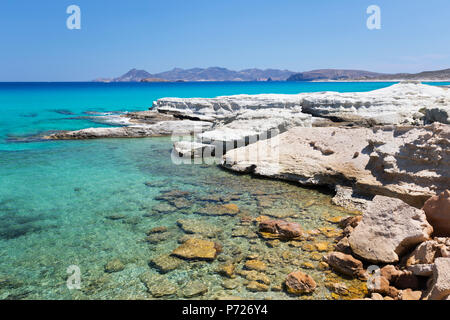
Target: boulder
428 251
197 249
300 283
389 228
281 229
345 264
437 209
439 288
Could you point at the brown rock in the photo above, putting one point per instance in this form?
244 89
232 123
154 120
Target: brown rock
196 249
409 294
255 265
300 283
345 264
437 209
165 263
428 251
227 270
255 286
281 228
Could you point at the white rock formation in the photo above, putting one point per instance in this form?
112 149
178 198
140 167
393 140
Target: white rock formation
163 128
192 149
408 102
409 163
388 229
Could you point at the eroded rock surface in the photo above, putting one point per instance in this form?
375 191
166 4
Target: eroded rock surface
409 163
437 209
388 229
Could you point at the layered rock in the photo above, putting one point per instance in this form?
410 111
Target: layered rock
163 128
406 102
388 229
409 163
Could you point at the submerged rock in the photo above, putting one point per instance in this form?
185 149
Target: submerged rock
197 249
158 285
195 226
280 229
389 228
229 209
165 263
114 265
194 289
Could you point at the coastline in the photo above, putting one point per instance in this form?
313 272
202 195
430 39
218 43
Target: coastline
379 152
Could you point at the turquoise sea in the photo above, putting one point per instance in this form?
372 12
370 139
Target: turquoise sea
86 203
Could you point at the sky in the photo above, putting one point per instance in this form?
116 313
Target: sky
154 35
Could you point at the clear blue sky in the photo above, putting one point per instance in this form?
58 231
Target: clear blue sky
156 35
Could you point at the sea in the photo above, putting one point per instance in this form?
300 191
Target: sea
76 217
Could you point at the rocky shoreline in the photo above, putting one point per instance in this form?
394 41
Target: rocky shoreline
386 153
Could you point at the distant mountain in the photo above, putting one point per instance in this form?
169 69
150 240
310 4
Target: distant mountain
208 74
426 75
224 74
134 75
333 74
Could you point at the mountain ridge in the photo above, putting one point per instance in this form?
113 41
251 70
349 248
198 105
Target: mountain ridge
255 74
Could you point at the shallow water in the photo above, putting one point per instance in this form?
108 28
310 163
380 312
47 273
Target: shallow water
86 203
56 211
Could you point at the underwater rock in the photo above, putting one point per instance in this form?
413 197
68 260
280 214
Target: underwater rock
255 286
300 283
388 229
254 275
159 229
197 249
156 238
164 208
279 213
114 265
281 229
158 285
193 289
229 209
227 270
255 265
195 226
165 263
230 284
